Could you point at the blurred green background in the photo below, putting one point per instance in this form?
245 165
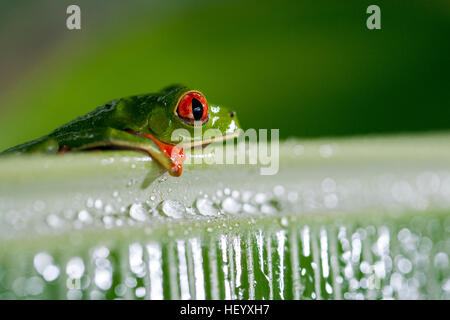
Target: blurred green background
309 68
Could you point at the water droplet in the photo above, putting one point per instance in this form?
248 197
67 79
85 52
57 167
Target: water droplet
260 198
292 196
441 260
75 268
246 196
231 205
34 286
284 221
55 221
89 202
404 235
101 252
404 265
51 272
138 212
278 190
206 207
120 290
18 286
446 285
268 209
108 221
109 209
235 194
365 267
173 209
98 204
41 261
140 292
248 208
103 278
84 216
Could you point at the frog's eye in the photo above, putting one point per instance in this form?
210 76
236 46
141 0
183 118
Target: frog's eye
193 107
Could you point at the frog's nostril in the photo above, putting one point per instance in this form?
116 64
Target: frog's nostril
232 114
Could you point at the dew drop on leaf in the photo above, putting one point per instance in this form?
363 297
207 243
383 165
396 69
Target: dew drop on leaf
173 209
206 207
231 205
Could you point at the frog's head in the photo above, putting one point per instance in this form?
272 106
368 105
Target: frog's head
182 110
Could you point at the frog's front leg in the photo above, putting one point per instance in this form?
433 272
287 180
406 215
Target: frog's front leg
169 156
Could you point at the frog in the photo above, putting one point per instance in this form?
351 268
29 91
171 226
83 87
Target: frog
144 123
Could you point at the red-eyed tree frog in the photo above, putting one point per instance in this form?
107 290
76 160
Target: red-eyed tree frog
143 122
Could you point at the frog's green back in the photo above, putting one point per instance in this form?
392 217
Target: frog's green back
80 129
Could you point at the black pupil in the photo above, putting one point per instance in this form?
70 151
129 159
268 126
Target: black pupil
197 109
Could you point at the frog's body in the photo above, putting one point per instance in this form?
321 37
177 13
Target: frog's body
143 122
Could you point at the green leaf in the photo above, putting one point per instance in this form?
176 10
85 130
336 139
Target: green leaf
360 218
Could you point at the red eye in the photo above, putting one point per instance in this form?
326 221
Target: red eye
193 107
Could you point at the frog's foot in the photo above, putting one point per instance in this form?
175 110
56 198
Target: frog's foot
172 152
